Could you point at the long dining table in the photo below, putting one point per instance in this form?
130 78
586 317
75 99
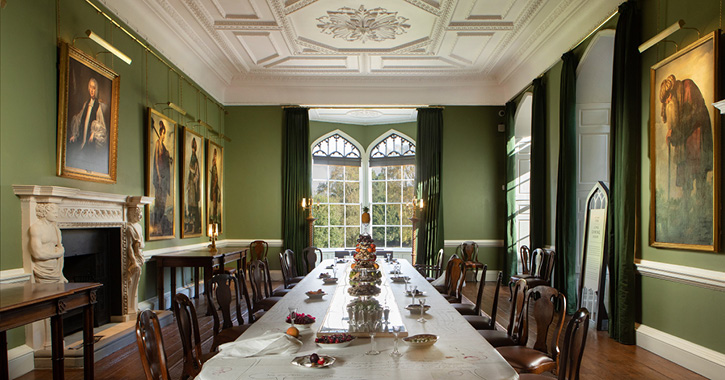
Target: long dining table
459 353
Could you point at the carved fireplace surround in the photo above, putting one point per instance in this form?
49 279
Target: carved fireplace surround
79 209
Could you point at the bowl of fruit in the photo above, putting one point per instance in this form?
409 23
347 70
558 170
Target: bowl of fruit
313 361
421 340
302 321
315 294
334 340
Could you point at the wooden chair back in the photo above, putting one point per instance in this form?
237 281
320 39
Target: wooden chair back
258 250
151 346
494 308
469 251
481 285
524 259
449 266
258 280
457 277
309 256
542 263
438 268
545 301
186 319
286 271
517 307
575 338
225 290
291 262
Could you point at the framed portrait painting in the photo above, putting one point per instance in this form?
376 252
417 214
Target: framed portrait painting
214 175
192 185
88 95
685 148
160 176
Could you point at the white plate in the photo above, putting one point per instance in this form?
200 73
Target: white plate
335 345
421 340
329 280
400 279
304 361
301 327
415 309
315 296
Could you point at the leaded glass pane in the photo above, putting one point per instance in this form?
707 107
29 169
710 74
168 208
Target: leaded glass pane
321 214
409 172
408 191
352 192
319 191
379 234
337 194
352 215
337 215
378 192
337 236
394 191
319 172
321 239
337 172
378 214
393 237
393 215
351 234
394 172
352 173
378 172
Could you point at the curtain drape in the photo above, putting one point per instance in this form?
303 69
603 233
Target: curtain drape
296 180
428 159
624 182
566 210
510 243
538 188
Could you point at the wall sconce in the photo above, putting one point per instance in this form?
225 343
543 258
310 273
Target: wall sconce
213 233
108 46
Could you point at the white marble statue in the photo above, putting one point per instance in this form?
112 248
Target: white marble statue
46 245
134 256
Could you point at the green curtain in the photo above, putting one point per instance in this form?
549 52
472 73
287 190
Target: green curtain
538 197
625 173
296 182
566 210
510 243
428 159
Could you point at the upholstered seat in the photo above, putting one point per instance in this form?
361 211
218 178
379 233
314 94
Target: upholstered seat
498 338
525 359
537 268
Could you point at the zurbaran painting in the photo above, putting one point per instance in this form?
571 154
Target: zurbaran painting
192 180
160 176
685 149
87 117
214 170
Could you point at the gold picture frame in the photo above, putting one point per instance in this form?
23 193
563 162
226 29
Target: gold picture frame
88 94
160 176
215 185
685 148
192 185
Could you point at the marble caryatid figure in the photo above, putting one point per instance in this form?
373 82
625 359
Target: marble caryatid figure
46 245
134 256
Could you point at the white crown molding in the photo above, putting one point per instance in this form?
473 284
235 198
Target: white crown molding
14 276
699 359
703 278
482 243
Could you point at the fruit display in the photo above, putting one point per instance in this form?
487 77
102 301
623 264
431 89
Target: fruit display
334 339
363 311
302 319
365 274
293 331
365 277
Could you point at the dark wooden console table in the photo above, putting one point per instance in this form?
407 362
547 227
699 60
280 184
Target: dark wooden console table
199 258
25 303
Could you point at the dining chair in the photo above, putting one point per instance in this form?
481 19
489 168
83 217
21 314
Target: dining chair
473 309
151 346
524 254
309 258
540 265
225 289
288 280
512 336
457 269
186 320
262 298
469 253
481 320
433 270
549 311
443 288
575 338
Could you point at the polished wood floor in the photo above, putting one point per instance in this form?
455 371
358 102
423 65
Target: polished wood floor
603 358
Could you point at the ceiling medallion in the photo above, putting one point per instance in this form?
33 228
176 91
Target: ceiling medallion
362 24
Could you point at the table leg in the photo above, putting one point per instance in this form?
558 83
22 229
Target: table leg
196 282
207 287
5 373
172 275
56 328
88 340
160 284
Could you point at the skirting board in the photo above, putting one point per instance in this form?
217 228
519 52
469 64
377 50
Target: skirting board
699 359
21 360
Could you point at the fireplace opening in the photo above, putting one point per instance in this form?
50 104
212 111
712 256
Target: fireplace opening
94 255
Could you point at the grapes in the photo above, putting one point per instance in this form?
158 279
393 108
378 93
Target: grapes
334 338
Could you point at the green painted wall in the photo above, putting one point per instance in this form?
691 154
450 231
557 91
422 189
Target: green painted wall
678 309
28 113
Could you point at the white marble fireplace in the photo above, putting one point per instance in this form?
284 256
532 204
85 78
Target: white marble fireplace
79 209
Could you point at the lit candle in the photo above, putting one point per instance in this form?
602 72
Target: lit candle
211 230
304 202
216 229
421 203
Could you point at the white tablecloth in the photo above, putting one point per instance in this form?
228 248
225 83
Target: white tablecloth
460 353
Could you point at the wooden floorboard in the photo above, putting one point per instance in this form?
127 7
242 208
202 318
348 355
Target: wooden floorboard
603 357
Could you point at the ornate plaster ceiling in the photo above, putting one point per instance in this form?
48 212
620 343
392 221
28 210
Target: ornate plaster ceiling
365 116
363 51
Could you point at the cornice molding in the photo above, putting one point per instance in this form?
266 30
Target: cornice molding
702 278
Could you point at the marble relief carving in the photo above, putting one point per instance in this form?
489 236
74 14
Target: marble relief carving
134 257
46 247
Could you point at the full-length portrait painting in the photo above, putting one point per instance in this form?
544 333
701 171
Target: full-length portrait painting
192 180
87 117
214 170
685 149
160 176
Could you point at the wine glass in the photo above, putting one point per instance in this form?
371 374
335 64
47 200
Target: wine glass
292 315
386 314
373 326
396 332
421 302
414 292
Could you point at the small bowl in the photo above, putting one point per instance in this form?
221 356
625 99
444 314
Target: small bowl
300 326
421 340
315 295
329 280
400 279
336 345
324 275
415 309
304 361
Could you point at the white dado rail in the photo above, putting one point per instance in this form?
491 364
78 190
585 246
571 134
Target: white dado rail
78 209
